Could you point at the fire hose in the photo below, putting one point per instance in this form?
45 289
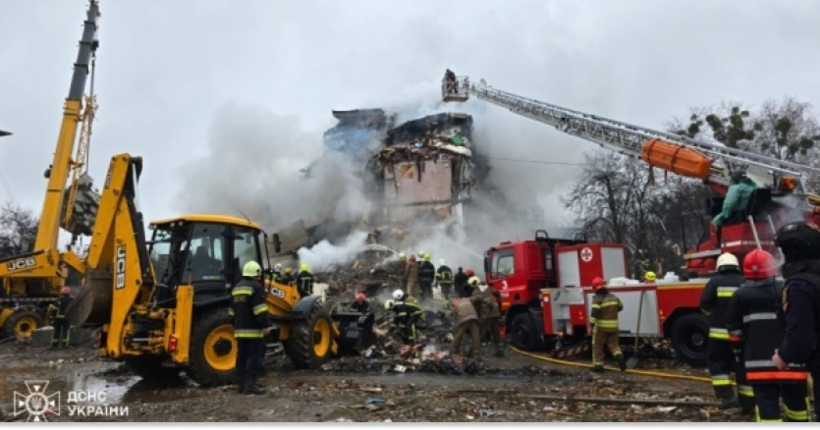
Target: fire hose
630 371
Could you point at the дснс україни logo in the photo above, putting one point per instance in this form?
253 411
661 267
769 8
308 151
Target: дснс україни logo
37 403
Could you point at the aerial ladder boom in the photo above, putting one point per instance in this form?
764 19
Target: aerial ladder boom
710 162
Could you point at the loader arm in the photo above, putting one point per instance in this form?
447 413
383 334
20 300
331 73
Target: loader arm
118 272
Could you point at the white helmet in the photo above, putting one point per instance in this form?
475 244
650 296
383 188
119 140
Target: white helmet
398 294
727 259
388 305
441 262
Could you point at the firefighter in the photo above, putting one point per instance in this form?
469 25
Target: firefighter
714 302
277 273
754 328
470 283
287 277
466 321
650 277
800 304
460 281
487 303
737 199
361 304
61 336
444 278
411 274
604 321
408 313
304 281
427 275
251 322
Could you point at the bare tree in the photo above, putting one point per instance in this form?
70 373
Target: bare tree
18 229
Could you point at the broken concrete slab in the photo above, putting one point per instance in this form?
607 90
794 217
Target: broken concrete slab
77 336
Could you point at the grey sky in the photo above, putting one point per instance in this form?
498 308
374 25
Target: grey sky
166 68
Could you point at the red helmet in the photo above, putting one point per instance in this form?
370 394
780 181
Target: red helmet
65 291
759 264
469 272
360 297
598 283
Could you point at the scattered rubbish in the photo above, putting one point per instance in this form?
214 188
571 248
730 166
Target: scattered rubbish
372 400
372 407
487 413
371 389
666 409
400 369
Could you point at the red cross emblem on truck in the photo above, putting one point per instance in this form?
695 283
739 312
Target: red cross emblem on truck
586 255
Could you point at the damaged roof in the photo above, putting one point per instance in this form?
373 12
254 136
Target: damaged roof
431 124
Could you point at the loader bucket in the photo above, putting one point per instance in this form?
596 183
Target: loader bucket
92 307
355 328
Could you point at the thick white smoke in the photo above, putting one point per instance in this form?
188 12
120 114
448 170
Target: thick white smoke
253 167
324 254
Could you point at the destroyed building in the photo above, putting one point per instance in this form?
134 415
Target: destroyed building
417 174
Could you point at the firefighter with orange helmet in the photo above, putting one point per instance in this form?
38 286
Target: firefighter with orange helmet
604 322
714 303
754 329
56 312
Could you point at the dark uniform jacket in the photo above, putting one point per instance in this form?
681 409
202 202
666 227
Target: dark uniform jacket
304 283
459 281
605 309
58 309
444 275
802 316
248 309
362 307
753 325
407 312
715 299
427 273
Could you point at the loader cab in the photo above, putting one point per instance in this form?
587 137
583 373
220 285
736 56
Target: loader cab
207 252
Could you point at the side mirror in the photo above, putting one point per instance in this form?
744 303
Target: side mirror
277 244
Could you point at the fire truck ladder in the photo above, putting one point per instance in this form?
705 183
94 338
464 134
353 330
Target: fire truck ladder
635 141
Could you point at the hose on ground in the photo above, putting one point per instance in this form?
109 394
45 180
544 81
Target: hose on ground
630 371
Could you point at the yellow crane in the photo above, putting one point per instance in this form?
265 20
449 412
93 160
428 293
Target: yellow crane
32 280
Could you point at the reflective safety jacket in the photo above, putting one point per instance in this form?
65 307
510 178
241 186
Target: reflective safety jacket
57 310
444 275
754 328
427 273
605 309
407 313
715 299
304 283
248 310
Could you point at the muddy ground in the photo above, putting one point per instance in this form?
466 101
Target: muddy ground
367 389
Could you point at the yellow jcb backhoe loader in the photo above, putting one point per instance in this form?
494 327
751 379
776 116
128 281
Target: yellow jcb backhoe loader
162 305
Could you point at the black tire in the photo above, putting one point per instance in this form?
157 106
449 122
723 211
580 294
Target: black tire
213 349
690 336
525 333
23 321
310 340
149 367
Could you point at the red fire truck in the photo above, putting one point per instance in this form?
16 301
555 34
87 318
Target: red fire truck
546 296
